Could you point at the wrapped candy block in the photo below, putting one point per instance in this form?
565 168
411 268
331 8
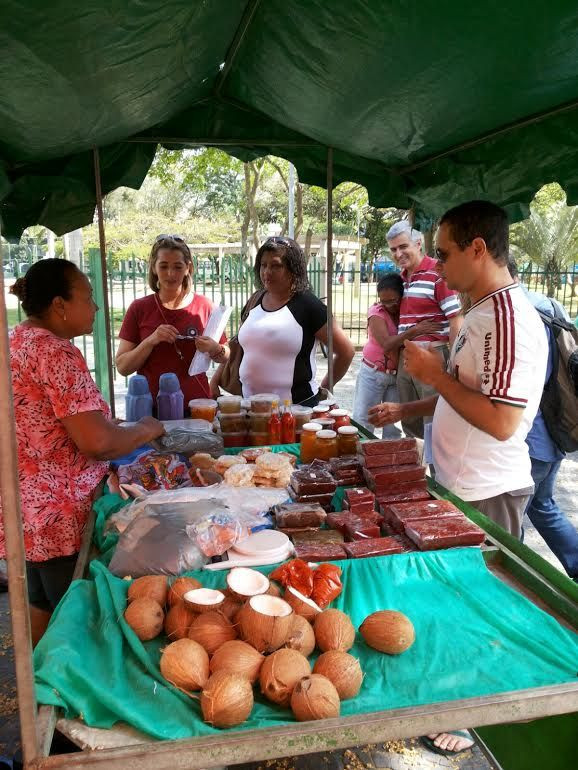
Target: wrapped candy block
324 500
317 536
316 482
409 494
358 495
448 532
375 546
361 529
408 457
387 446
383 482
397 515
299 515
320 552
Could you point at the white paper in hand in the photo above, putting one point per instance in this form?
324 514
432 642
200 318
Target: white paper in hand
214 329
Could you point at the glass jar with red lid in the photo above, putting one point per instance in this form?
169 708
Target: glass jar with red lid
340 417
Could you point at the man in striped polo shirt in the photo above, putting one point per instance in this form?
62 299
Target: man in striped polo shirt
426 297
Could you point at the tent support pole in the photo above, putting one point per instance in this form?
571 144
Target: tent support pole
106 306
15 554
329 247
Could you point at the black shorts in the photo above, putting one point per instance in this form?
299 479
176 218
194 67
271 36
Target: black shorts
48 580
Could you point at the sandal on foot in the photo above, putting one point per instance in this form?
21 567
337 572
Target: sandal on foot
429 743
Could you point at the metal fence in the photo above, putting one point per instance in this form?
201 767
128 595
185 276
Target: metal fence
230 281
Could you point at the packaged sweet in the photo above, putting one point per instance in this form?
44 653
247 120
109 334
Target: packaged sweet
295 573
396 515
150 472
253 453
326 584
338 521
361 529
449 532
313 482
299 515
407 457
314 552
358 495
219 531
226 461
344 463
365 506
387 446
240 475
394 474
378 546
202 460
411 493
316 536
187 442
204 478
324 500
383 486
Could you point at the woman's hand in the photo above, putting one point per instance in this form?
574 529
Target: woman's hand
426 327
163 333
207 345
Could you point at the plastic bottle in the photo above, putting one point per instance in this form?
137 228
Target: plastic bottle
138 400
170 398
275 425
287 424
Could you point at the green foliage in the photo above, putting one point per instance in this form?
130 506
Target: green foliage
376 223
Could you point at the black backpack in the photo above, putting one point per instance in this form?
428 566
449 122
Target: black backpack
559 404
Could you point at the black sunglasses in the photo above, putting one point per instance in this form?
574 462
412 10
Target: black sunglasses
167 236
278 239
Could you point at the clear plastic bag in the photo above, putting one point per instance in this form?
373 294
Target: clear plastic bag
151 471
188 442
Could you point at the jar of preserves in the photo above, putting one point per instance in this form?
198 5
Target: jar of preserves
259 421
234 439
347 437
321 410
341 417
308 441
330 402
229 404
203 409
327 423
326 445
259 439
232 423
263 402
302 415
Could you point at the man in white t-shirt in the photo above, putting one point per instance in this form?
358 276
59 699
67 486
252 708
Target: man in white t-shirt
491 391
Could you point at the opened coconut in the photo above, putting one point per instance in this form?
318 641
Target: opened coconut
243 583
204 599
343 670
211 630
145 617
315 697
149 587
388 631
301 604
180 587
226 700
178 621
301 636
280 673
265 622
334 631
237 657
185 664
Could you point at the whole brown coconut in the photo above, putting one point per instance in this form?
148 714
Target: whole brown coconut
178 621
185 664
333 631
226 700
180 587
149 587
274 589
315 697
343 670
145 617
388 631
301 636
237 657
211 630
280 673
265 622
229 608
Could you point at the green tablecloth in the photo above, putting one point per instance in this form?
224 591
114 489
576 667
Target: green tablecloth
475 636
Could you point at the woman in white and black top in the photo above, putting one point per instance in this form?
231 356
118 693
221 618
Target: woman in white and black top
279 336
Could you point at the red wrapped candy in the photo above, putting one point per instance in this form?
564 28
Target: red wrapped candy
295 573
326 584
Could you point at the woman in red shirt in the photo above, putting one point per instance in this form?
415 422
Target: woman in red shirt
64 432
161 331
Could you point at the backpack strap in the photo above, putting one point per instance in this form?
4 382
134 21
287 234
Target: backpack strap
252 302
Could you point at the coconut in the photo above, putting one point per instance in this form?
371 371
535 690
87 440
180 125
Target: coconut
211 630
280 673
315 697
150 587
180 587
226 700
265 622
343 670
185 664
301 604
145 617
178 621
204 599
334 631
274 589
243 583
388 631
229 608
238 657
301 636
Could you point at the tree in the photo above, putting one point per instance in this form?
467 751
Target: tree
376 223
549 237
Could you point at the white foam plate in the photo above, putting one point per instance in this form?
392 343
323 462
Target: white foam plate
266 542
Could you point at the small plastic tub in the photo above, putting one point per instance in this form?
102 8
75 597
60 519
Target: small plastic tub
235 439
230 404
232 423
258 439
203 409
302 415
263 402
259 422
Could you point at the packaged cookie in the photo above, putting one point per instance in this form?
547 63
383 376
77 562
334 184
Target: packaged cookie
203 461
226 461
272 462
253 453
240 475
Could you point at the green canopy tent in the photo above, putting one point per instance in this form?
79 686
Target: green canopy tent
425 104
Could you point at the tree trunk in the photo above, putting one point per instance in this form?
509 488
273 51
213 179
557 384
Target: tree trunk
307 249
299 209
